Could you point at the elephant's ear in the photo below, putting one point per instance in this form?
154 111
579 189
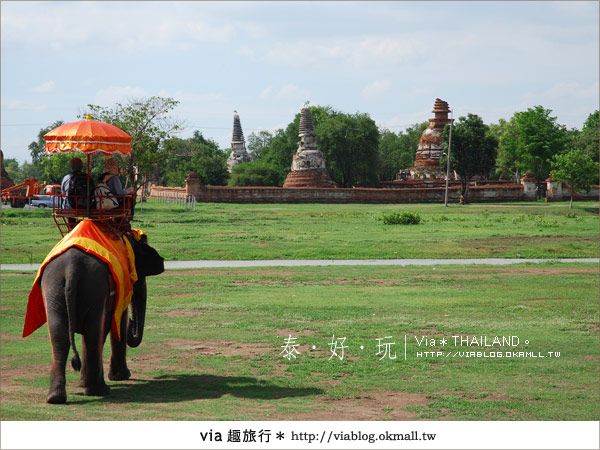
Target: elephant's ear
147 260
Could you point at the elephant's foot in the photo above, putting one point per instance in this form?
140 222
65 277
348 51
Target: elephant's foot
98 390
120 374
57 396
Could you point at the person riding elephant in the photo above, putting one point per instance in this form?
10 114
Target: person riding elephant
112 180
80 296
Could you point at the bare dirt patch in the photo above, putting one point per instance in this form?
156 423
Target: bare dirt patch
184 312
531 270
285 332
221 348
372 406
12 378
5 337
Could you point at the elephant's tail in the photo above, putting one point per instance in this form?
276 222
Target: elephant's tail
70 296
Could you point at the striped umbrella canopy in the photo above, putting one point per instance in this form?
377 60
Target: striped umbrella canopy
88 136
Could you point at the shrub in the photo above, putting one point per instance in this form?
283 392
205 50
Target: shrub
255 174
401 218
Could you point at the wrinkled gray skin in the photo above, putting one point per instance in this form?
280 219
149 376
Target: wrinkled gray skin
76 287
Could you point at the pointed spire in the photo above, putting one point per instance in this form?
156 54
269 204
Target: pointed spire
440 106
238 134
306 123
238 146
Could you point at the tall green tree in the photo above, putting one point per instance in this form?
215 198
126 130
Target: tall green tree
529 141
203 156
44 166
588 140
11 165
49 168
149 122
577 169
36 148
348 141
473 149
259 143
397 150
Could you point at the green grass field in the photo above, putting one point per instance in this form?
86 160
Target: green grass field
320 231
213 337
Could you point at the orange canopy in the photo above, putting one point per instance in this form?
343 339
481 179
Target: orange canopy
88 136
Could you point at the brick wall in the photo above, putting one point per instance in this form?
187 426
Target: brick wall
224 194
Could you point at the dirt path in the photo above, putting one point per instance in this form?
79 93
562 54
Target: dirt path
207 264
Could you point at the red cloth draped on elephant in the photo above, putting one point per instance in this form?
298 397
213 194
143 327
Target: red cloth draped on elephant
114 250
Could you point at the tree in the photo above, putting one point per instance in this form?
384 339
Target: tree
397 151
348 142
203 156
36 148
577 169
255 174
280 150
259 143
588 139
473 149
11 165
149 122
529 141
46 167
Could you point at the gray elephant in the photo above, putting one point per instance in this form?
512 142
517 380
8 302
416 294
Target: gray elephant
77 289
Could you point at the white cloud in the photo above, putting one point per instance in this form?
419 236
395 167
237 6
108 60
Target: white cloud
401 122
192 97
357 52
288 91
302 53
572 91
46 86
24 105
390 49
123 26
581 9
113 94
376 89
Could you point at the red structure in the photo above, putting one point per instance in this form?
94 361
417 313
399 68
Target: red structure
429 152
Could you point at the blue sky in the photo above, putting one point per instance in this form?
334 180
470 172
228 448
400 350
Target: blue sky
388 59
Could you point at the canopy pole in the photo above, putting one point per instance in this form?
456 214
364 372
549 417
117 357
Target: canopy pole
87 212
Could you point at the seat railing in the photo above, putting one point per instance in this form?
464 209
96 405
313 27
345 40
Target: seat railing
70 210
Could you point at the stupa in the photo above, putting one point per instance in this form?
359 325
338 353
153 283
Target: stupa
429 151
308 164
238 145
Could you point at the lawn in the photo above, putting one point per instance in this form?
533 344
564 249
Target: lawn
321 231
213 339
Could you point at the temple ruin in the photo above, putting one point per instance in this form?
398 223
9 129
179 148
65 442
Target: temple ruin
308 165
430 149
238 145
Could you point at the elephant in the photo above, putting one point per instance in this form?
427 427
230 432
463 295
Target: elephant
77 290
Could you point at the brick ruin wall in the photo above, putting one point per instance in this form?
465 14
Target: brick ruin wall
225 194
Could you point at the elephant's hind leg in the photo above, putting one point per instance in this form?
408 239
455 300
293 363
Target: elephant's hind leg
118 363
57 324
92 372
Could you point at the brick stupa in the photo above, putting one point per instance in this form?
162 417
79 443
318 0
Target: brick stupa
430 149
238 145
308 165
